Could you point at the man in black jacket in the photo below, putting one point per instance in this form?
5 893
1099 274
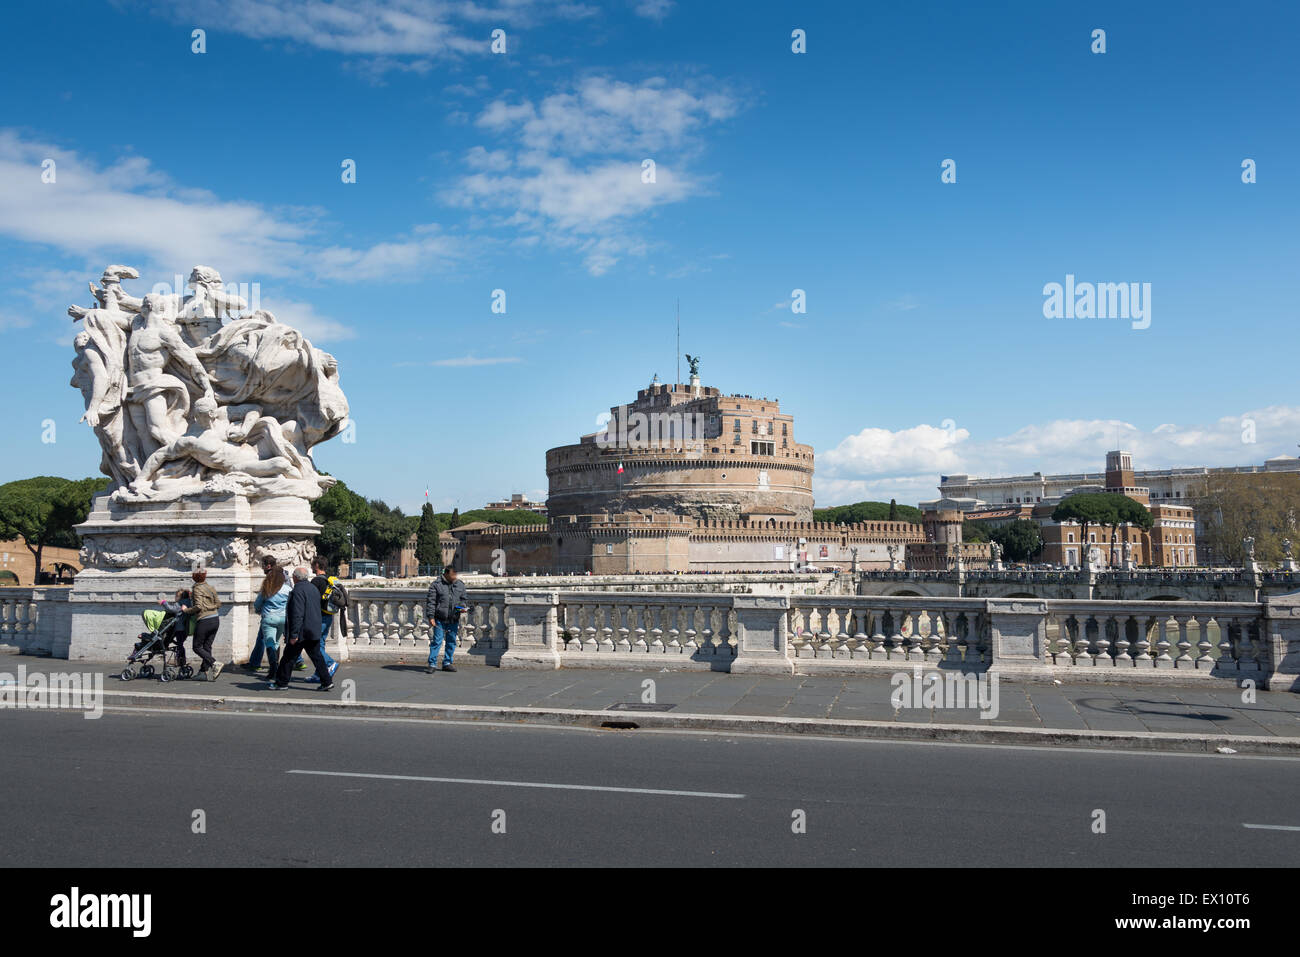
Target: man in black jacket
302 628
443 604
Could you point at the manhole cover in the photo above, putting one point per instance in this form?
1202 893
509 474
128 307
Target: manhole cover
638 706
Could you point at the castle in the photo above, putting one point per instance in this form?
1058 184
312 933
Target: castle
687 479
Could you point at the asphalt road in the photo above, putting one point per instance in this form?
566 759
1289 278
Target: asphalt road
122 790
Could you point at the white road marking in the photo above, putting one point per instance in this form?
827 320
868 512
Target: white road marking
520 784
1271 827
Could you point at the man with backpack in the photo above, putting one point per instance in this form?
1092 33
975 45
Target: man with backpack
443 604
333 599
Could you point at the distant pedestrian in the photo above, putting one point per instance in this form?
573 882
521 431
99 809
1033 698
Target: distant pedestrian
271 603
207 610
445 601
302 632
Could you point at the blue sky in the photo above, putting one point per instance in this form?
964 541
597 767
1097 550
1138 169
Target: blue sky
924 349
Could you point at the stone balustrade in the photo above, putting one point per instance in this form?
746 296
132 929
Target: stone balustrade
35 620
605 629
1028 636
391 623
1024 637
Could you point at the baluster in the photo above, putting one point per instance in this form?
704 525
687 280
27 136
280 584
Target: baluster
1203 645
1184 643
1143 657
932 651
1103 641
953 634
842 626
1122 659
608 624
391 626
674 631
861 643
627 624
878 639
823 634
726 633
1226 660
896 651
656 633
690 636
643 619
1081 656
1162 643
406 625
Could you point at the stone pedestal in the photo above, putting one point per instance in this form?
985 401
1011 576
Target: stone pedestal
1018 634
762 635
134 553
1282 637
533 631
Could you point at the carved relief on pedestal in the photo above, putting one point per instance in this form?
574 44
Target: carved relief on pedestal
184 552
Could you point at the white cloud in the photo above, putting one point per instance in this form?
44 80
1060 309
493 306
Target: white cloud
574 177
653 9
129 211
907 464
601 115
303 317
391 34
876 451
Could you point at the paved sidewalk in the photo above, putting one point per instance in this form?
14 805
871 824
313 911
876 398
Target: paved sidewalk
1213 710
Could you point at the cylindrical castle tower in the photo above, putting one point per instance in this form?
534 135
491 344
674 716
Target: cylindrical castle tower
689 450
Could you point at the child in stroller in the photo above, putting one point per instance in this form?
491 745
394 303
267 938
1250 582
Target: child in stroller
168 627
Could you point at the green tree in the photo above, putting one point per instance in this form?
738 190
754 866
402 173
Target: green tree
974 532
384 531
1021 540
518 516
893 510
1233 505
1109 509
455 518
866 512
340 511
43 510
427 549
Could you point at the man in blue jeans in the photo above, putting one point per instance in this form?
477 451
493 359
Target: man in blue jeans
323 584
443 604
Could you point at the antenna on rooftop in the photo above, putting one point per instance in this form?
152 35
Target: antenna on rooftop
679 340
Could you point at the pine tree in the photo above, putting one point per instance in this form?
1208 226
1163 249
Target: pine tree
893 510
427 549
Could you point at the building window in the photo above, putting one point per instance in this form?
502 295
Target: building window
785 428
761 448
609 548
1070 537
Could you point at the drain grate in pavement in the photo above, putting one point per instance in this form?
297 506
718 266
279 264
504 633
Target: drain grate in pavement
638 706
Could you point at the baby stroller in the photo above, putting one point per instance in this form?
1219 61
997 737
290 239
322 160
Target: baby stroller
162 639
